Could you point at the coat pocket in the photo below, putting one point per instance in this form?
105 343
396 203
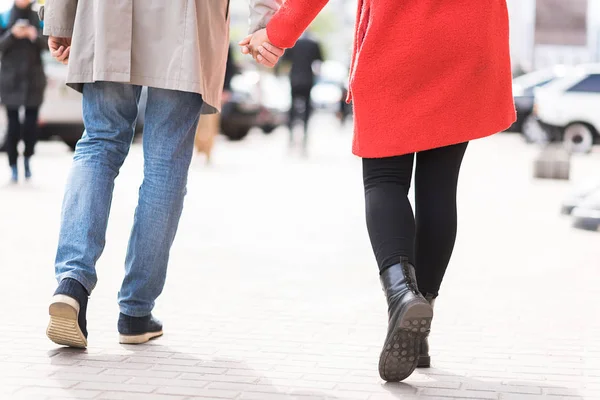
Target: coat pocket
363 23
361 29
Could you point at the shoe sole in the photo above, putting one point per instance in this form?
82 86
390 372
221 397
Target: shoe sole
139 339
63 328
400 354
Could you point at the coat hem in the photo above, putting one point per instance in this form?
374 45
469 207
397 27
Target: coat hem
394 151
210 106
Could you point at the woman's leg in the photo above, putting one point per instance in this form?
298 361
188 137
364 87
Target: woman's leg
436 179
13 135
391 225
30 130
390 218
30 136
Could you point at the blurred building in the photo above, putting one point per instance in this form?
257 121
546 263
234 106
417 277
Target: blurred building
549 32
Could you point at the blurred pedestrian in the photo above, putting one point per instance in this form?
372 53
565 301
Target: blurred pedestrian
304 58
178 50
425 79
209 124
22 81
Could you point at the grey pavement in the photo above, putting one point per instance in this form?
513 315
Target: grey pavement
273 292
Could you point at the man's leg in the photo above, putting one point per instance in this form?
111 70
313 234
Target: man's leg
292 115
170 126
307 115
109 114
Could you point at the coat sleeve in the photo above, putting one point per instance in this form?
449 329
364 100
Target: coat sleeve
6 40
59 17
41 41
292 19
261 11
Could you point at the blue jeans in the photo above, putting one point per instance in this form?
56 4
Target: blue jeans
110 111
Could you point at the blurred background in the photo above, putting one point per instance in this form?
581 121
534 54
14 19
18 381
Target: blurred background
554 45
272 272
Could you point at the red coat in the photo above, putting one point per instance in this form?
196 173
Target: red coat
424 74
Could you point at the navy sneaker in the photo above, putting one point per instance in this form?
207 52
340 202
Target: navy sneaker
68 325
138 330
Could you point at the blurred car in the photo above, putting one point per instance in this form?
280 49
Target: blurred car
275 103
587 213
257 100
523 92
254 103
568 108
61 114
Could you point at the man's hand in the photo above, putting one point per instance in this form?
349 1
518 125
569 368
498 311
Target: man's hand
20 32
262 50
60 48
32 33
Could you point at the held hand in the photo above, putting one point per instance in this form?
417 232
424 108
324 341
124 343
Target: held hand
60 48
20 32
262 50
32 33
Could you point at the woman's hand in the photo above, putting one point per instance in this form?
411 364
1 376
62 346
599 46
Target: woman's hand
262 50
20 32
32 33
60 48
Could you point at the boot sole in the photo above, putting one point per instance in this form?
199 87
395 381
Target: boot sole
139 339
63 328
400 354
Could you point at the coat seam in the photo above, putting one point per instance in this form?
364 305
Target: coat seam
184 36
137 76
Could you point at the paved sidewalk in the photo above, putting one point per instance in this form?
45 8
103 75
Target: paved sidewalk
273 292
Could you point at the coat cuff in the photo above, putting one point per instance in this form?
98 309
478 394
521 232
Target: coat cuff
292 19
261 12
59 17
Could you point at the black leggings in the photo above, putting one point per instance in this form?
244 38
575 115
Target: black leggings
29 131
428 237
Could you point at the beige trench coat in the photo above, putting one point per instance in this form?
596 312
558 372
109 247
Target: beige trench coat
169 44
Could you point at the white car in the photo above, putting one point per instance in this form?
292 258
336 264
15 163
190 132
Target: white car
569 108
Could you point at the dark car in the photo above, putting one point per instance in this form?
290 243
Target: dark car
257 100
523 92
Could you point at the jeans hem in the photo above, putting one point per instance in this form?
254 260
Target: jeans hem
131 312
88 286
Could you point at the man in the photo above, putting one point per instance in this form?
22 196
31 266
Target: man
178 49
303 57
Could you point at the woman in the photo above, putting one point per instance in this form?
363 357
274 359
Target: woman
426 78
22 81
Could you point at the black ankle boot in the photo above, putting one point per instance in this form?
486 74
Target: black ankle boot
424 358
409 321
68 324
